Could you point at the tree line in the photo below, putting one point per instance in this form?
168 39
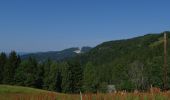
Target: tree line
66 77
73 77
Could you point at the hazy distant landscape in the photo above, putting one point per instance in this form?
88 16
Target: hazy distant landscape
57 55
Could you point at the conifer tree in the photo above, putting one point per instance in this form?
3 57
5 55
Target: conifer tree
3 59
10 68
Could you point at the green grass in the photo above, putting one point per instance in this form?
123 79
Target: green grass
9 92
19 89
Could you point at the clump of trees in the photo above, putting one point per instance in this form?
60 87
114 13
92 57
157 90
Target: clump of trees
66 76
55 76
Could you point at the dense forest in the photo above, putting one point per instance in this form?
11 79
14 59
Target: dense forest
128 64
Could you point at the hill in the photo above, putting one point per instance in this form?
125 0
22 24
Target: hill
112 50
57 55
129 63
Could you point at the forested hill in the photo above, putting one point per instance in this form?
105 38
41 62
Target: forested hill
57 55
129 63
138 47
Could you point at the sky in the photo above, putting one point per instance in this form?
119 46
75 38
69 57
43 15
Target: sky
52 25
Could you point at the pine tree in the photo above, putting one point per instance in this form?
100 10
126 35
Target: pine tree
52 76
46 69
67 79
10 68
90 78
71 77
3 59
26 73
77 76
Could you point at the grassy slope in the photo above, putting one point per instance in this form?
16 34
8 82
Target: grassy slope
19 89
9 92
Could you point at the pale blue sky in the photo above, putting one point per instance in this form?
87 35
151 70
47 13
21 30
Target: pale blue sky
49 25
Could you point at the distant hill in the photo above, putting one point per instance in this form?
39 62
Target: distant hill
57 55
22 53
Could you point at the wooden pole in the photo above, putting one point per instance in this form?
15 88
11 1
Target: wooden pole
165 62
81 98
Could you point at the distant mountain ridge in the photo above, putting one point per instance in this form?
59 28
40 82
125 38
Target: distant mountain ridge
57 55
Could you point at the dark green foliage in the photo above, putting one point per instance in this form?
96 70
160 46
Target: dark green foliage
103 87
10 68
71 78
126 85
155 72
27 73
3 60
46 69
77 74
52 76
39 76
90 78
66 79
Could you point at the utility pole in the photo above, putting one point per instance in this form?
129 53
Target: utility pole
165 62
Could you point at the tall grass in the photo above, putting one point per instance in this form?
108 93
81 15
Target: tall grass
23 93
112 96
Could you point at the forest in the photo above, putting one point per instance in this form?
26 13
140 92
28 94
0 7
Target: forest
129 64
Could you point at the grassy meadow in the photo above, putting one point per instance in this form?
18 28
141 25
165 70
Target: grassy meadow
24 93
